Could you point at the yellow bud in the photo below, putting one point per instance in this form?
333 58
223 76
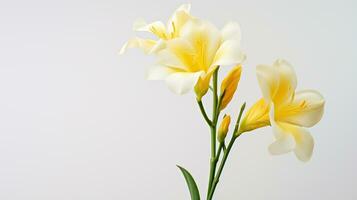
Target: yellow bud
229 86
223 128
202 85
256 117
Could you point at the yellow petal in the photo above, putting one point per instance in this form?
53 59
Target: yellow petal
202 85
287 82
277 82
256 117
205 40
229 85
305 110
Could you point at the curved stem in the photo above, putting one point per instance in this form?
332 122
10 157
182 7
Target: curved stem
202 109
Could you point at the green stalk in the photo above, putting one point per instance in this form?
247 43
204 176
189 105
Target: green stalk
213 163
225 156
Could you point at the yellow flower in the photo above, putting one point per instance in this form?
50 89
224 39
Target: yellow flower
200 48
289 111
162 32
229 86
256 117
223 128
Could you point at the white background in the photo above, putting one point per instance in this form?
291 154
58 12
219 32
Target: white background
78 121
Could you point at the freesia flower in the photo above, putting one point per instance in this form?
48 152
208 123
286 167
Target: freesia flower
162 32
289 111
198 51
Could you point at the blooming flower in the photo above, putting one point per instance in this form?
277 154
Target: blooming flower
289 111
172 30
200 48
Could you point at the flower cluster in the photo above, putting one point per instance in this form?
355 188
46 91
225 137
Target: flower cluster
189 53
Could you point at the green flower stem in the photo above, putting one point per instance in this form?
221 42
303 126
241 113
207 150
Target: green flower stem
202 108
220 169
213 163
225 156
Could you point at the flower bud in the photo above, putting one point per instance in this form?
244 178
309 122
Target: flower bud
256 117
202 85
229 86
223 128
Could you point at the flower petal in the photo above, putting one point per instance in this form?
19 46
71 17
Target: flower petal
158 73
157 28
229 53
145 44
182 82
277 82
282 145
285 141
287 82
304 144
178 54
231 31
306 109
268 80
205 40
178 19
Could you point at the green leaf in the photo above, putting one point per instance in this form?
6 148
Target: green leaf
192 186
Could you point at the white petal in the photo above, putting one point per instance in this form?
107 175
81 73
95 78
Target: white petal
285 142
229 53
290 137
175 18
182 82
158 73
145 44
282 145
160 45
184 7
157 28
309 108
231 31
304 145
268 80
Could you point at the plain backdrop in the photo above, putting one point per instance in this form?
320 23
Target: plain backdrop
80 122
